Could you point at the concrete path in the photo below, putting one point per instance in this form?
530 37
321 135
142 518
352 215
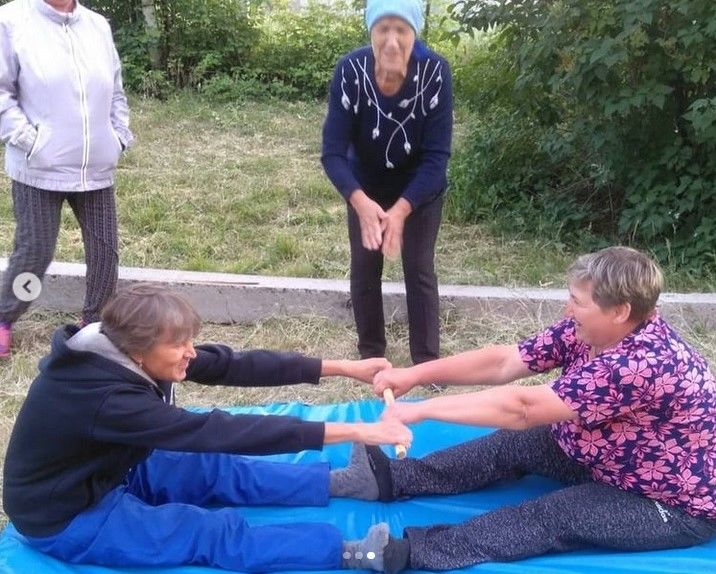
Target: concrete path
228 298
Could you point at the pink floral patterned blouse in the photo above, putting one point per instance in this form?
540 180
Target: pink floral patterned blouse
646 411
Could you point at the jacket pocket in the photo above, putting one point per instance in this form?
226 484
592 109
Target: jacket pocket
34 156
120 145
105 148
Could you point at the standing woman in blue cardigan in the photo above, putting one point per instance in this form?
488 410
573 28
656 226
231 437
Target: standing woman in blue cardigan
386 144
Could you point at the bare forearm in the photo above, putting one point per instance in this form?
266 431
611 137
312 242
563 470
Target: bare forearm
382 432
511 407
401 208
342 432
498 407
363 370
494 365
334 368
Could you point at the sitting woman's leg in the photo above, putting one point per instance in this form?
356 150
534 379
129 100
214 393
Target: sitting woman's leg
216 478
589 514
501 455
123 530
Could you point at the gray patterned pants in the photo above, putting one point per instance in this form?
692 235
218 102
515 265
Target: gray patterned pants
37 219
584 513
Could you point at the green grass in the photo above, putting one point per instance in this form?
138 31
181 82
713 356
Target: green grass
239 188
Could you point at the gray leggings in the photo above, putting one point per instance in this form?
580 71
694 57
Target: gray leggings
584 513
37 220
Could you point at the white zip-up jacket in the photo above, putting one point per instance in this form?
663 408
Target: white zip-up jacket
64 117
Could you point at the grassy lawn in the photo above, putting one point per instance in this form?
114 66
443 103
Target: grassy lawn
239 188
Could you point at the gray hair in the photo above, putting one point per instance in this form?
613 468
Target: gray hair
142 315
620 275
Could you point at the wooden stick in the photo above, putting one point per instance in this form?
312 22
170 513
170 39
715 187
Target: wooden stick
389 398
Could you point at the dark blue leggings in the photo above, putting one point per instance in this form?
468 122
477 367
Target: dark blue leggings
584 513
177 508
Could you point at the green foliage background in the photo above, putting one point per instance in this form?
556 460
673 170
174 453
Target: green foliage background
595 119
588 122
233 48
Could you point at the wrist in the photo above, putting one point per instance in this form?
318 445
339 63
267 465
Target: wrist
334 367
343 368
357 197
408 379
402 207
417 412
342 432
358 432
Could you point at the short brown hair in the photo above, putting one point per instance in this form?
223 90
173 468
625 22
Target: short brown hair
620 275
139 316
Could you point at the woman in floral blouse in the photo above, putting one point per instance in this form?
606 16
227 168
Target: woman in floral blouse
628 426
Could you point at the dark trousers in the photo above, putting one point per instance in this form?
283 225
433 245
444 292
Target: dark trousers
37 223
421 285
583 513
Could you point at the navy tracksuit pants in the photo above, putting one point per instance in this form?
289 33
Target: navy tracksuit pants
180 508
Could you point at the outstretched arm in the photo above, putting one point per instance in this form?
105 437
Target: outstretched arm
511 407
363 370
221 365
388 431
493 365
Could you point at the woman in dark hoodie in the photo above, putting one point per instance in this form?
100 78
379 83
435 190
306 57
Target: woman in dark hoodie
103 468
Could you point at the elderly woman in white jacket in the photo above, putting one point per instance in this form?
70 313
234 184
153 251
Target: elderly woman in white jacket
64 121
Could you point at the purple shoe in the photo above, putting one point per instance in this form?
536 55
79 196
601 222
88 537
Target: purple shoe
5 340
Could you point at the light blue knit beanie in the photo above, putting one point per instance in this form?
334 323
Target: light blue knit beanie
409 10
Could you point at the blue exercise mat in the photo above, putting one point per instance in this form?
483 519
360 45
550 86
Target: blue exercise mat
354 517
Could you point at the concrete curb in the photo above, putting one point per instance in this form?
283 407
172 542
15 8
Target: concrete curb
229 298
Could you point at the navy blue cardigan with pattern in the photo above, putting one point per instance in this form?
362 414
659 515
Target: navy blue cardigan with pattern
389 146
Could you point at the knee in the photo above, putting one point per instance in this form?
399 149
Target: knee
366 280
33 256
419 268
107 242
420 277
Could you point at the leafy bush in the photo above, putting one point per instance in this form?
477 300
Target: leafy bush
202 39
226 88
133 42
299 48
194 40
225 47
614 101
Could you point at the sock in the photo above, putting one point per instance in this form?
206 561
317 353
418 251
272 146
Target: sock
367 553
380 465
357 479
366 477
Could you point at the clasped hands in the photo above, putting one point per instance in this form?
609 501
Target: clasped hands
380 229
380 373
400 382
